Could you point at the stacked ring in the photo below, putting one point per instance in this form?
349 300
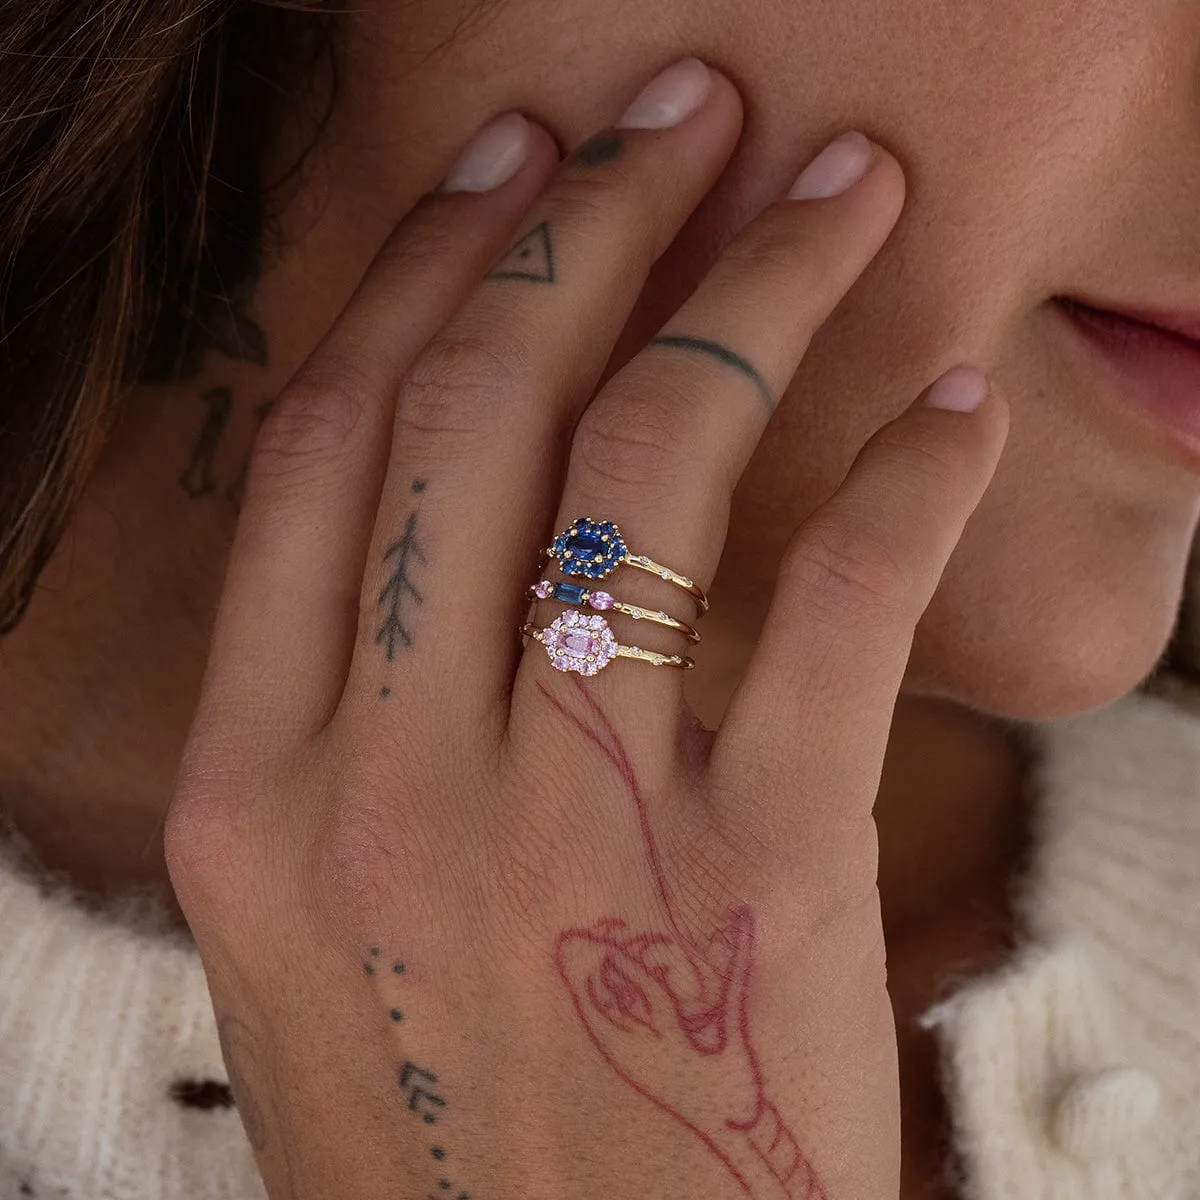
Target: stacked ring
582 642
575 641
594 549
574 593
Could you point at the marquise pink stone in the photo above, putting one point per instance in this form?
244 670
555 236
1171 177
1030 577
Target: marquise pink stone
601 600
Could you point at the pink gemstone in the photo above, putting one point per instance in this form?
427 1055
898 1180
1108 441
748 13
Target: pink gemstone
601 600
579 644
544 589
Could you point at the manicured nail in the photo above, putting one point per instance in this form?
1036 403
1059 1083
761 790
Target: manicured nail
495 155
961 389
669 99
839 166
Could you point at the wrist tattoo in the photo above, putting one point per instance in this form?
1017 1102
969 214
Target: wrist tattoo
420 1087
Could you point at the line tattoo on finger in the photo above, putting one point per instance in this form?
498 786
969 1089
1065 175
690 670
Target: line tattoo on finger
399 591
722 354
531 258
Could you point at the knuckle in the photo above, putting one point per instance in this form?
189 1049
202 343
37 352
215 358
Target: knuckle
767 246
454 386
205 838
848 569
630 443
313 419
928 453
615 204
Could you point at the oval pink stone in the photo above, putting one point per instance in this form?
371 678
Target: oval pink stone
579 644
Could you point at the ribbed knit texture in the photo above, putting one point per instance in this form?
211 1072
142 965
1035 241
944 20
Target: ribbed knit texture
1073 1073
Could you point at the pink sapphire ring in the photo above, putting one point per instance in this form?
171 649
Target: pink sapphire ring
574 593
578 642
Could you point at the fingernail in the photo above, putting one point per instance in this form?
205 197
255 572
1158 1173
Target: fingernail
495 155
669 99
839 166
961 389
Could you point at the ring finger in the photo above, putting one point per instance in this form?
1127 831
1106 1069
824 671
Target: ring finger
484 413
661 448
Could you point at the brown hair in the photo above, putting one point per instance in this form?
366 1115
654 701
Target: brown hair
131 133
116 118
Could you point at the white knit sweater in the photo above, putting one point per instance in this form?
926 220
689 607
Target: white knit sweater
1073 1073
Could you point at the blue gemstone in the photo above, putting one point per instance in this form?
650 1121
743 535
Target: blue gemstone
586 546
569 593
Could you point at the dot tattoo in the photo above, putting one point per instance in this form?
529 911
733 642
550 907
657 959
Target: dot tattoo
603 148
420 1087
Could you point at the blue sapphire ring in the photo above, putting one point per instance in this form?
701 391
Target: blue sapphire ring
591 549
576 593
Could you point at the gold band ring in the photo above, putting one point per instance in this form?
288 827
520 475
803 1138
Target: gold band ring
574 593
594 549
575 641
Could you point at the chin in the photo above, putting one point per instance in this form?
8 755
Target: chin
1050 652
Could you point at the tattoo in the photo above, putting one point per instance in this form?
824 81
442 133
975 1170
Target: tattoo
236 492
531 258
668 1011
237 1045
723 355
603 148
211 313
404 552
420 1087
197 478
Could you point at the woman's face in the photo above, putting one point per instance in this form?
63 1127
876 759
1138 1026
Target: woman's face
1052 148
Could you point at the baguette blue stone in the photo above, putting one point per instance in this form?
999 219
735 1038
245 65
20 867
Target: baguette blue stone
569 593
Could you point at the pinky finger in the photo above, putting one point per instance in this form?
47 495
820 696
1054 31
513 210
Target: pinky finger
810 720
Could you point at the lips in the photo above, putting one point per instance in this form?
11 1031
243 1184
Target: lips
1155 357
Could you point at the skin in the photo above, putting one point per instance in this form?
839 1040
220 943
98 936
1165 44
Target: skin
1018 190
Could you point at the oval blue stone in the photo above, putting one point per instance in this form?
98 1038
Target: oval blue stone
586 545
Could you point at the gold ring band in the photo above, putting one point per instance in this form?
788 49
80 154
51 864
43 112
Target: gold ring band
593 549
572 593
577 642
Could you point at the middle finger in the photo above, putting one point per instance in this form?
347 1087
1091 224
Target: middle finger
484 413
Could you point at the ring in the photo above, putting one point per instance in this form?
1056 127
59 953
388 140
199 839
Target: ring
574 593
576 642
594 549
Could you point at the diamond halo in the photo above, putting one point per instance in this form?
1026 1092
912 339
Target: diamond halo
575 641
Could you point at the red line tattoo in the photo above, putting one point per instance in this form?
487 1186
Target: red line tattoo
670 1016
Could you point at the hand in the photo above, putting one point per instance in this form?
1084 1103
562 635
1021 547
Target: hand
476 927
